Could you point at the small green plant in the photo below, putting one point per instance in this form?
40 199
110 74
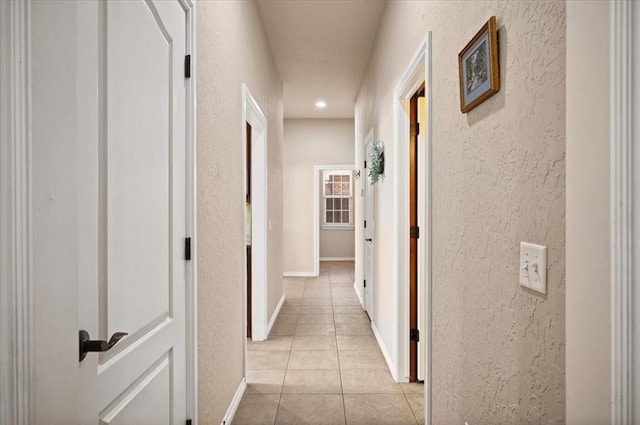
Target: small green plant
377 162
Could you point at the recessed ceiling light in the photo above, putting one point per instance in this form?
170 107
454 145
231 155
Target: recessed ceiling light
321 104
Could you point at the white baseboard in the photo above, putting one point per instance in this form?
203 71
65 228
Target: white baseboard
337 259
360 298
299 274
235 402
385 352
274 316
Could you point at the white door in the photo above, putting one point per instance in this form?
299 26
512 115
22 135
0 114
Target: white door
368 233
132 211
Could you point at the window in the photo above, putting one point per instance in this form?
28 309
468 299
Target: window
338 203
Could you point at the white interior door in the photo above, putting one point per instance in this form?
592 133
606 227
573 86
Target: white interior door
368 233
132 211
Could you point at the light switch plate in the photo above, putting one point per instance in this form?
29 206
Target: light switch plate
533 266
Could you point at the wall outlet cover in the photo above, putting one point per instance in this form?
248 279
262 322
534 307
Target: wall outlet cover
533 266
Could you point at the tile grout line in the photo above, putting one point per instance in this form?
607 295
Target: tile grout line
284 378
335 333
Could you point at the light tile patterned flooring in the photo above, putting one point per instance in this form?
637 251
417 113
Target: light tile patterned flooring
321 364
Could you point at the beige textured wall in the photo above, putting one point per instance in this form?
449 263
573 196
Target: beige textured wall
588 238
232 49
308 142
498 179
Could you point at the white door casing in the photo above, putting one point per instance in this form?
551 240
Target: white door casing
369 229
113 199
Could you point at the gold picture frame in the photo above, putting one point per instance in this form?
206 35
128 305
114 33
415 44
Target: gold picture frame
478 67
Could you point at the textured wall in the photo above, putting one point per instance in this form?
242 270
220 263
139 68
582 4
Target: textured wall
232 49
308 142
588 217
498 179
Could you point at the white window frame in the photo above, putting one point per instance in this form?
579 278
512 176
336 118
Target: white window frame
325 175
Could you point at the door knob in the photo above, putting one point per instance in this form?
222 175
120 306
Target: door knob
89 345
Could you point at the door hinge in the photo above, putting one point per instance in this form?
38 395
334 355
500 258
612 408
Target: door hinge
187 66
365 224
187 249
365 283
415 129
414 335
365 164
414 232
188 422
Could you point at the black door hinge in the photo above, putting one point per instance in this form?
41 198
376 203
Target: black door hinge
365 164
414 335
414 232
187 249
365 224
188 422
187 66
365 283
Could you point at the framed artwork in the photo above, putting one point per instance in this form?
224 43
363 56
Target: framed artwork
478 67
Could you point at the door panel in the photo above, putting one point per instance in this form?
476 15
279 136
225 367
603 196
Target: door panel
134 274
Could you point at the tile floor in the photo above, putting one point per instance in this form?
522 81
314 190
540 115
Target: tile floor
321 364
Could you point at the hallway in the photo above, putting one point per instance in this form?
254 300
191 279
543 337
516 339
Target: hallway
321 363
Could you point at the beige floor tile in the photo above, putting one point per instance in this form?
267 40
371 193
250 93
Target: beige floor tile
314 343
267 360
283 329
359 381
357 343
362 360
290 309
353 329
265 381
416 401
378 409
274 343
323 293
316 318
316 309
312 382
315 301
257 409
353 301
291 301
348 309
315 329
287 318
413 387
305 409
349 318
314 360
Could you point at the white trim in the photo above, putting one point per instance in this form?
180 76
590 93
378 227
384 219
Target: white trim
385 353
417 72
316 210
252 113
227 419
275 314
360 296
622 191
191 311
16 336
337 258
300 274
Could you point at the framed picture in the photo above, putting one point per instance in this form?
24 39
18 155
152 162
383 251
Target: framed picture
478 67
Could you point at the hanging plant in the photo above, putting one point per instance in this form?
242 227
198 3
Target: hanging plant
377 162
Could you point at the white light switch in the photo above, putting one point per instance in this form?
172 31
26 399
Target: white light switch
533 266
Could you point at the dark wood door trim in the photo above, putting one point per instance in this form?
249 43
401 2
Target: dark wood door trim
248 201
413 223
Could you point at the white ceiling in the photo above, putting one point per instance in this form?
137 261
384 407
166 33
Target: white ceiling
321 49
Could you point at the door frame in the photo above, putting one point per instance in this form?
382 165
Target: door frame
252 114
624 140
369 138
17 215
416 73
316 208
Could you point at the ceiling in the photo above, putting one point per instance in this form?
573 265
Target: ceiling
321 49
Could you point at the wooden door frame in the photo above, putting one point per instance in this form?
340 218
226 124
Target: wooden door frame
18 215
417 72
247 168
